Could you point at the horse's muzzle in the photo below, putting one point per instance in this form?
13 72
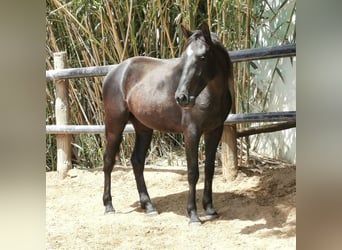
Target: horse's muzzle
185 101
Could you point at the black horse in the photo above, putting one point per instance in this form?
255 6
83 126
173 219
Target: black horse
189 95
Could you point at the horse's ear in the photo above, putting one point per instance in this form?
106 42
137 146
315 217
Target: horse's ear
206 32
186 33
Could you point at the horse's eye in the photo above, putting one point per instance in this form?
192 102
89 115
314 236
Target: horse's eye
202 57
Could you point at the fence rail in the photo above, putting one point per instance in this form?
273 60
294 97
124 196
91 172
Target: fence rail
236 56
289 116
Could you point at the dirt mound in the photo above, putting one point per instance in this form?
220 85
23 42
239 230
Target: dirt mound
257 210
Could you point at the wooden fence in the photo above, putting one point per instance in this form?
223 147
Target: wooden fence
63 130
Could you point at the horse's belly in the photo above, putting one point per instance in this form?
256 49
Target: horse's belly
160 123
156 115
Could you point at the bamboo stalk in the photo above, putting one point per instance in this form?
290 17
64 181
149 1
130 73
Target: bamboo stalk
113 30
209 2
128 29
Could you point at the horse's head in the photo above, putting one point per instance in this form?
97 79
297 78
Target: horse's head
198 66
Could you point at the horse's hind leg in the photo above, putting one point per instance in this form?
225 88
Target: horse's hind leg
211 142
113 137
142 143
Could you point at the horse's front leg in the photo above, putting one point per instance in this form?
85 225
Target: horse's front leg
211 140
191 140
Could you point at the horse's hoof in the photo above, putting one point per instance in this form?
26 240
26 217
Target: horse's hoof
194 219
195 223
211 216
109 210
210 213
150 210
109 213
152 213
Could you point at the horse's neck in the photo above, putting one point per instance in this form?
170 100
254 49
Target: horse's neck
218 85
177 68
220 81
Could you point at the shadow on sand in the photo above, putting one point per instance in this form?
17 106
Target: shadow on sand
265 202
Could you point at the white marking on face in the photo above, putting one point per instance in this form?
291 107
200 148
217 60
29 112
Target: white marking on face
189 51
201 49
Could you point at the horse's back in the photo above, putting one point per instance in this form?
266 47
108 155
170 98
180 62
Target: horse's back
145 88
133 70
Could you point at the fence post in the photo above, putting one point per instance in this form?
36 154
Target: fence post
228 142
62 117
229 153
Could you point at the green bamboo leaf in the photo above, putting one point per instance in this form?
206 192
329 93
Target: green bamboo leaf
254 66
280 74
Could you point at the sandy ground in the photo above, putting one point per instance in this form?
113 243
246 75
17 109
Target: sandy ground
257 210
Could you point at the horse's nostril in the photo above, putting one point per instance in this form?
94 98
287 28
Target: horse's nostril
182 99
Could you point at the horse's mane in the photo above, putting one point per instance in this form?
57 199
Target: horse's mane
224 52
228 66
